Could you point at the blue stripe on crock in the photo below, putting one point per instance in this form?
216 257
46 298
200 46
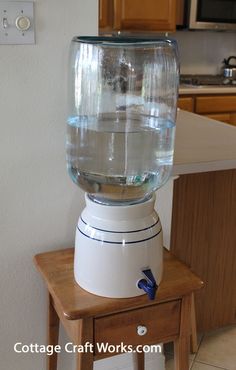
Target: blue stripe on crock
120 243
121 232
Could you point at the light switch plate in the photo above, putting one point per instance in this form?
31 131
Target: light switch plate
13 16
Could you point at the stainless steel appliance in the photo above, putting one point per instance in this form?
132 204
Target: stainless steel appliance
211 14
229 68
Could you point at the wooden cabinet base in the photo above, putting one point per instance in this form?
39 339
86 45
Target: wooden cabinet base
204 237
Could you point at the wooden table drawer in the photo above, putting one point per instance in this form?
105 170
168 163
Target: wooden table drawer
161 321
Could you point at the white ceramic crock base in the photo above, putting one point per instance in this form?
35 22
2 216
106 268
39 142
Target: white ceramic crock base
114 244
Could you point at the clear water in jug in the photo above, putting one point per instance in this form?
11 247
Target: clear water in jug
121 121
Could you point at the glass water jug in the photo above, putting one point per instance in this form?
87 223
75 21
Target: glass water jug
121 119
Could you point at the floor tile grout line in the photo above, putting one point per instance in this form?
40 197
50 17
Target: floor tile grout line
191 366
207 363
171 353
200 342
198 347
201 362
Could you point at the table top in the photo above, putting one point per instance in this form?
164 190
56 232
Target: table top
56 267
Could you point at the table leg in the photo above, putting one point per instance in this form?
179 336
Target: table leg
84 361
181 345
193 338
53 333
140 361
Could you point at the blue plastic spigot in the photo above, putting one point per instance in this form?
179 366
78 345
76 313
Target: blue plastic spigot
148 284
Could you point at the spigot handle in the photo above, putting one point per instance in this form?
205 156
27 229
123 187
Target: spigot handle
148 284
150 278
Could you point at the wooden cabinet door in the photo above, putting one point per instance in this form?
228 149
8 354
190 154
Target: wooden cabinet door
186 104
218 107
233 119
222 117
105 15
180 12
149 15
216 104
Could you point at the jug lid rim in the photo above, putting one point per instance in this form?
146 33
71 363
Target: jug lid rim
124 40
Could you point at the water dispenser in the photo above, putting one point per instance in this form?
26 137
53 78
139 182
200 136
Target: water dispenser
120 143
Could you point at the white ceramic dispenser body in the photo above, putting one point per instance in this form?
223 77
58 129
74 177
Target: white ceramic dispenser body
114 244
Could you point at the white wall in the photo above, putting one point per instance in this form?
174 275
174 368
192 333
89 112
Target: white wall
203 51
39 204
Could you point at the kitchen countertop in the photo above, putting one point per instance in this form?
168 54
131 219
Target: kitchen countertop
192 89
203 144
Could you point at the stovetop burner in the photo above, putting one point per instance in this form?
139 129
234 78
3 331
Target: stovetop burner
207 80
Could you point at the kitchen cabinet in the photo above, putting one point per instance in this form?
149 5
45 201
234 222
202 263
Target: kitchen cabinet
204 237
105 14
221 107
224 117
203 232
180 12
227 118
137 16
151 15
186 104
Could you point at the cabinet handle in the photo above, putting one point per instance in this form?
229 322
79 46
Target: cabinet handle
141 330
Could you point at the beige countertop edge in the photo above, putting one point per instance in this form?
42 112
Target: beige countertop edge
188 168
186 90
203 144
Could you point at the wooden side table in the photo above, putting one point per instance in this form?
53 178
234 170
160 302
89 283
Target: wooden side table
89 318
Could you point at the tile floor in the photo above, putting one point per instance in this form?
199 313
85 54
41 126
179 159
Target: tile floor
216 351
